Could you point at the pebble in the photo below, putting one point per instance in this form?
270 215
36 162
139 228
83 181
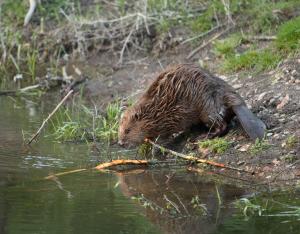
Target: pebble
269 134
237 86
261 96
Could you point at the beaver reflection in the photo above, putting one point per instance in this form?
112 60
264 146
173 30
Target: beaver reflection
180 202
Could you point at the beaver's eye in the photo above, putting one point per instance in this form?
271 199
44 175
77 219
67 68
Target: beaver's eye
127 131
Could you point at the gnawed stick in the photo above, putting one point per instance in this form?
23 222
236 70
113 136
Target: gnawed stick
195 159
119 162
49 116
104 166
63 173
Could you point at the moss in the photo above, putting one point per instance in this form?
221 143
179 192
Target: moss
288 36
216 145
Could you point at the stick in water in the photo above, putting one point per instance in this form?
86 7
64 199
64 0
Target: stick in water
49 116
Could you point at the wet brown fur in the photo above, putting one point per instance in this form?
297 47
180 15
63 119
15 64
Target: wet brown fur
180 97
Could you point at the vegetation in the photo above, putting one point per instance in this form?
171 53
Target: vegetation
216 145
83 124
248 207
252 59
288 36
259 146
291 141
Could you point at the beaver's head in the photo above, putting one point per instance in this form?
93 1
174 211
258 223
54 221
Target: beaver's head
132 129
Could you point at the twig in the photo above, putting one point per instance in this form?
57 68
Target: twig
32 6
227 10
195 51
260 38
23 90
49 116
195 159
50 177
201 35
125 44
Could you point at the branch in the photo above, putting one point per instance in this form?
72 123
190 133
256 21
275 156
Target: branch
195 51
195 159
23 90
32 6
119 162
49 116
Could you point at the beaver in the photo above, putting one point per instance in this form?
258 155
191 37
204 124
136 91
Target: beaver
183 96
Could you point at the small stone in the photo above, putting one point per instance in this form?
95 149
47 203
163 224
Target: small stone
292 80
237 86
269 134
261 96
244 148
294 72
284 101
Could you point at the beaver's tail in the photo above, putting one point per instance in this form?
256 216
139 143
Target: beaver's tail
253 126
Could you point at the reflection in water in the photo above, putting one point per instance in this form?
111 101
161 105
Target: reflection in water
180 202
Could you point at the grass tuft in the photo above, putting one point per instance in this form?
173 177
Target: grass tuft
259 146
216 145
226 47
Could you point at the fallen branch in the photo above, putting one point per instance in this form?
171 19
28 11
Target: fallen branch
260 38
202 34
195 159
49 116
119 162
50 177
23 90
103 166
195 51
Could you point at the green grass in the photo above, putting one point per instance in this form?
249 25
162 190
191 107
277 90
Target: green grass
226 47
288 36
83 124
258 60
216 145
259 146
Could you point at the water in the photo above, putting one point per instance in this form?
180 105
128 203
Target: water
139 201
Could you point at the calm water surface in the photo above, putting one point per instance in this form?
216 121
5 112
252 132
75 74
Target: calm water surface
151 201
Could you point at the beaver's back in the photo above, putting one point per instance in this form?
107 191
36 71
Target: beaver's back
194 88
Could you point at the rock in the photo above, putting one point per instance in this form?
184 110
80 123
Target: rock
283 102
244 148
261 96
269 134
237 86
